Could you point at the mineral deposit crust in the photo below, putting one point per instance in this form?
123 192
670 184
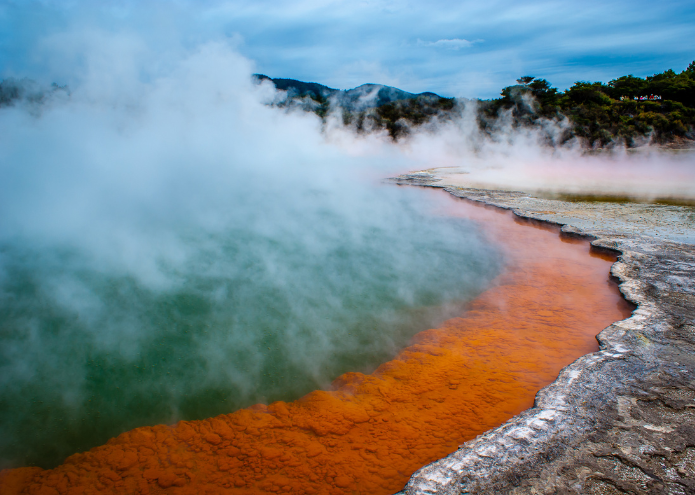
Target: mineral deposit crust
618 421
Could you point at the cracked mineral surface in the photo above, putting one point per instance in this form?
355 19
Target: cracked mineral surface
617 421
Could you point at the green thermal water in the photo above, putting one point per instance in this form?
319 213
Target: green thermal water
248 315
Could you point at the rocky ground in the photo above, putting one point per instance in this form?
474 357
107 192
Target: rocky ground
621 420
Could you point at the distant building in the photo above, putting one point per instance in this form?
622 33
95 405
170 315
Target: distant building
642 98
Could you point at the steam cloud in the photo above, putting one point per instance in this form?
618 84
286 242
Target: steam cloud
172 247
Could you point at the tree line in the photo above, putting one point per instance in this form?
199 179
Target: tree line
594 113
600 114
597 114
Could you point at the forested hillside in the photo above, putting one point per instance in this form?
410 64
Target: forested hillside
627 111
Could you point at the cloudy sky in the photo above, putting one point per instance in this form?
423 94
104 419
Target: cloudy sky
456 48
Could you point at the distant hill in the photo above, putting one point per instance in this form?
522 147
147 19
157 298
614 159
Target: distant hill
626 111
299 88
367 107
377 95
359 98
15 90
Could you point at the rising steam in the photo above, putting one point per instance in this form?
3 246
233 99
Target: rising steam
173 247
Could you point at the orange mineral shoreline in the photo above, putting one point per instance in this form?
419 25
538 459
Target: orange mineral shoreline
371 432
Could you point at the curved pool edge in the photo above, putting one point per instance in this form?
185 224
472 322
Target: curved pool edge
621 420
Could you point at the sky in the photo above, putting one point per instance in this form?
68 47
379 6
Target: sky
455 48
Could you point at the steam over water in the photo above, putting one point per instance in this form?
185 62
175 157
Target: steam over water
180 250
251 317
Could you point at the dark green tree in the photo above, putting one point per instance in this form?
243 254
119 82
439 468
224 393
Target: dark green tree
690 71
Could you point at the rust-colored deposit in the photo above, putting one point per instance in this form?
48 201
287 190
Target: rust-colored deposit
371 432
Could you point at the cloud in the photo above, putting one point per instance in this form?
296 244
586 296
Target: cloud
452 44
315 41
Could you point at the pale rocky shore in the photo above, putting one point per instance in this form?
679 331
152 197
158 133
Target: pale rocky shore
618 421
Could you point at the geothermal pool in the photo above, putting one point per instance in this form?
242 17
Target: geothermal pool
541 299
265 309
